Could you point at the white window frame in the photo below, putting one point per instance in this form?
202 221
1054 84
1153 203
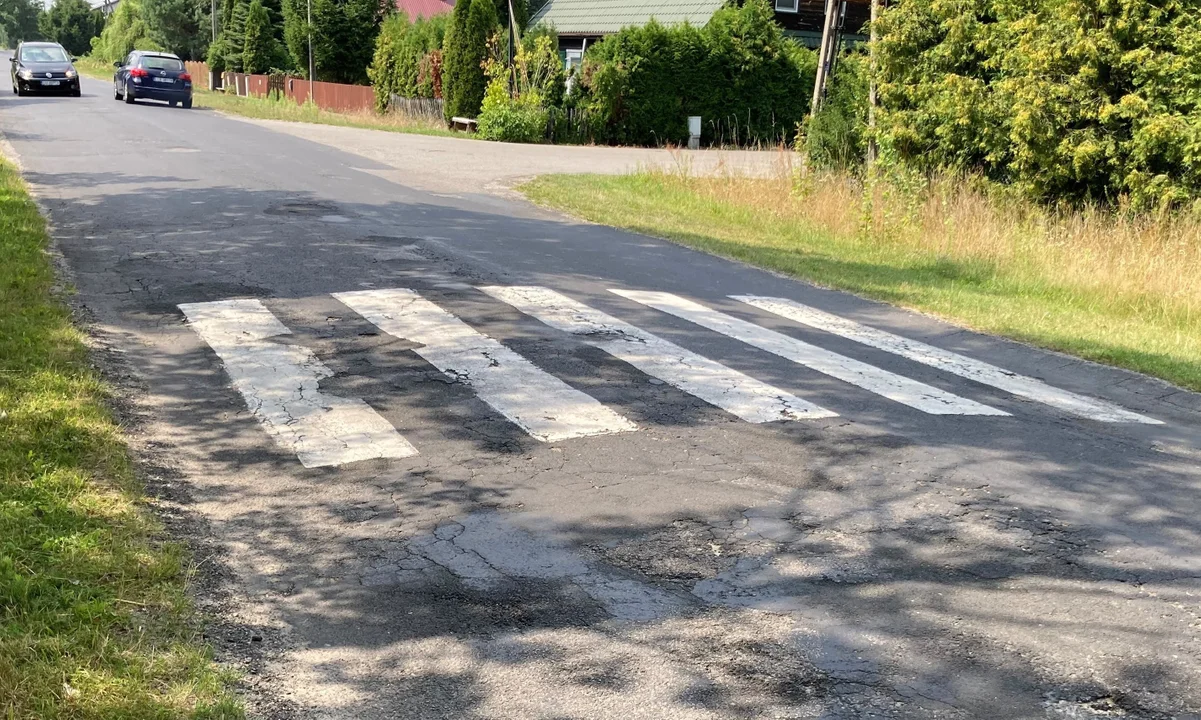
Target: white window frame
781 6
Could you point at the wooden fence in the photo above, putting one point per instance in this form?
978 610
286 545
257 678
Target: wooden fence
427 108
327 96
200 74
335 97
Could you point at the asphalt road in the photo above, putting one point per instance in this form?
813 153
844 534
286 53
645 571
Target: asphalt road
421 499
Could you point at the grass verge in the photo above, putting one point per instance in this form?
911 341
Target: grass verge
95 620
288 110
1120 291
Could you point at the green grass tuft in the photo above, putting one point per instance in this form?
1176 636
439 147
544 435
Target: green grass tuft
95 621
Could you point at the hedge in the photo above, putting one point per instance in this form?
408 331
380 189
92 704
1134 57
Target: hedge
1086 101
407 59
739 73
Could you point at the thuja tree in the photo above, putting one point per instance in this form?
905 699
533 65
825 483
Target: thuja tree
261 51
463 77
1069 100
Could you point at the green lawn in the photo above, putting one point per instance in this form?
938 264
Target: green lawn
95 620
1079 300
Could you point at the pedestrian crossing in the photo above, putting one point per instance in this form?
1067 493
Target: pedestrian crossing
280 384
711 381
881 382
280 380
539 403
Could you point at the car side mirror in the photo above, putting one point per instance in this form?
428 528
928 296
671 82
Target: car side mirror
117 64
74 59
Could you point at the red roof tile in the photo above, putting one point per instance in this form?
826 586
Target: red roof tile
424 8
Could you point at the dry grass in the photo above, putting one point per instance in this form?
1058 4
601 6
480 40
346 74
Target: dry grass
1120 290
1153 264
285 109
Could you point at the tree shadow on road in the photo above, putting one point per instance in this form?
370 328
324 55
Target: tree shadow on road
882 563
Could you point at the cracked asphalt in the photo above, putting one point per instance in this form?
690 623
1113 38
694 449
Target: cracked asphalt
884 563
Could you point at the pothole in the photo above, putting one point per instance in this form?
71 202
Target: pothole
302 208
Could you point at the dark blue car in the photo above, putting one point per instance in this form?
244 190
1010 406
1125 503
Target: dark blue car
146 75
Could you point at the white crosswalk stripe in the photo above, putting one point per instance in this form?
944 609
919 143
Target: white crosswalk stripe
541 404
279 383
890 385
948 361
743 396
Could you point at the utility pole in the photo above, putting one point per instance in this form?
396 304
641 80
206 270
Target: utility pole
310 11
512 48
873 150
213 14
827 53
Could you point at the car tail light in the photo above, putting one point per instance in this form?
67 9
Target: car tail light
138 72
185 77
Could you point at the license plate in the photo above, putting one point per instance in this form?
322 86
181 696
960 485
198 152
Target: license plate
165 80
51 82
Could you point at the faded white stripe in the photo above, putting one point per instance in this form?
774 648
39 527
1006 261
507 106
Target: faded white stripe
890 385
279 383
541 404
749 399
948 361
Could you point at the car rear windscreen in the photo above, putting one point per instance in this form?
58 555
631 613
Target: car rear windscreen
43 54
162 63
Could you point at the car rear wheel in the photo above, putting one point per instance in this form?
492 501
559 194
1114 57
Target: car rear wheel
116 93
129 98
187 104
171 103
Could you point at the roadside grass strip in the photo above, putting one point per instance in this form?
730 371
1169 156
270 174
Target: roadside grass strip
95 620
1108 288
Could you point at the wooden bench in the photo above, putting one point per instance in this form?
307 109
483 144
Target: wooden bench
462 123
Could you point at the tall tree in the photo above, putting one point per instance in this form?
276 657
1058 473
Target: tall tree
262 51
467 46
181 26
234 36
296 33
19 18
453 59
72 24
124 31
344 33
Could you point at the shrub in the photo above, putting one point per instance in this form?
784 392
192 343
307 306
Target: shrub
1084 101
217 53
739 73
429 75
522 115
836 137
511 119
404 63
